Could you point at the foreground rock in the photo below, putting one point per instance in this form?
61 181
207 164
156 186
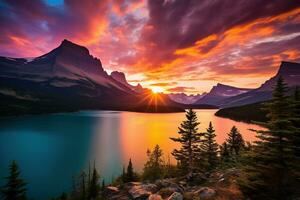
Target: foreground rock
155 197
142 191
218 185
176 196
205 192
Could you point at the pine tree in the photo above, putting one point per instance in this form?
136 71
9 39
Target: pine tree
268 173
209 147
123 176
94 187
235 141
130 173
295 137
63 196
89 180
15 188
189 139
154 167
83 185
224 153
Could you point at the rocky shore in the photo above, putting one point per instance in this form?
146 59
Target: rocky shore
198 186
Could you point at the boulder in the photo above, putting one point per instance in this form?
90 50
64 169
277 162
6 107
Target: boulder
118 197
170 190
183 183
164 183
196 178
129 185
166 192
176 196
205 192
142 191
112 189
112 192
155 197
170 185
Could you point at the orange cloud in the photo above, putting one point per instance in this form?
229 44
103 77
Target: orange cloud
155 41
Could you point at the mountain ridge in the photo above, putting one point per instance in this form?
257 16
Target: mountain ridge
184 98
289 71
68 76
220 92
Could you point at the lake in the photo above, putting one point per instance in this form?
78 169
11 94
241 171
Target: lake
51 149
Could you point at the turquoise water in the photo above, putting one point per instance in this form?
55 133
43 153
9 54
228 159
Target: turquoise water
52 149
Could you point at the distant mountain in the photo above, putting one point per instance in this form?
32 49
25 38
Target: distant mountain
121 78
69 77
289 71
184 98
219 93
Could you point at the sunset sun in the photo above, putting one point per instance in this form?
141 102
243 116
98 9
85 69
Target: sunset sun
157 89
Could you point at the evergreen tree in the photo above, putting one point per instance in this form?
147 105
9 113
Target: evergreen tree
130 172
154 167
89 173
209 147
94 187
235 141
296 108
189 139
268 173
63 196
123 176
130 175
295 119
15 188
224 153
83 185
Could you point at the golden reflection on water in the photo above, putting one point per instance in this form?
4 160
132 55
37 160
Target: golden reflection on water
142 131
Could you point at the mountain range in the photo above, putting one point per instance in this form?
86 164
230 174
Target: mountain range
68 77
219 93
289 71
184 98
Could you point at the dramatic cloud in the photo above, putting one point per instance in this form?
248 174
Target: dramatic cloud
181 89
186 45
164 84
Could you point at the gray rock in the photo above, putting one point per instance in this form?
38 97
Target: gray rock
205 192
112 189
155 197
183 183
175 188
176 196
119 197
142 191
128 186
169 184
191 177
163 183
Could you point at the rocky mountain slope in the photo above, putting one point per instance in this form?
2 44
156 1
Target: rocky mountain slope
219 93
69 77
121 78
289 71
184 98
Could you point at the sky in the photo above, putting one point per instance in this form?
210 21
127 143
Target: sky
173 45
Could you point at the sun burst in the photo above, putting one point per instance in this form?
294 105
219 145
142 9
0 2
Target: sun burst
157 89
